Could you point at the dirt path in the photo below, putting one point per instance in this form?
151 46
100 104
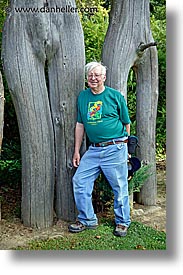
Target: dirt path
13 233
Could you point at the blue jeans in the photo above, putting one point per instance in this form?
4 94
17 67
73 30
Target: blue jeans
112 161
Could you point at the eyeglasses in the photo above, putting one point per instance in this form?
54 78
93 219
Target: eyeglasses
90 76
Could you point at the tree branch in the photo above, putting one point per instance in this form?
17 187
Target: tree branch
142 47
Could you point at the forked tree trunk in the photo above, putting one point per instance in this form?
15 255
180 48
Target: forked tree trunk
43 57
129 26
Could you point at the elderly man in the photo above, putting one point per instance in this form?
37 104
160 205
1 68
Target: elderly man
103 115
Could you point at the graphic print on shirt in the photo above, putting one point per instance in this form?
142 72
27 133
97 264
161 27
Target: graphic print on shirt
94 111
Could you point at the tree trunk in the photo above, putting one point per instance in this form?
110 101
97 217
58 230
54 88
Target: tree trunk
129 26
43 56
1 110
147 97
1 119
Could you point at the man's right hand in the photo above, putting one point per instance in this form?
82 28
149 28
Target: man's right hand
76 159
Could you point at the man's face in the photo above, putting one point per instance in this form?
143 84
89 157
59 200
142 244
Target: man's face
96 78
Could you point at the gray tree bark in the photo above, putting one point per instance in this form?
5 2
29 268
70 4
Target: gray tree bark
43 57
1 110
1 119
147 97
129 26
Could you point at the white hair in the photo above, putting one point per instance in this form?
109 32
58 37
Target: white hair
92 65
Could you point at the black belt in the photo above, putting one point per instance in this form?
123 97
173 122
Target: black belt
106 143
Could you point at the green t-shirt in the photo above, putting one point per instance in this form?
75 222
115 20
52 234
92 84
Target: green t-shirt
104 115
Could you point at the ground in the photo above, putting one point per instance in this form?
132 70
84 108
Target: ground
13 233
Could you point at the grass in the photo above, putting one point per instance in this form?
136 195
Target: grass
139 237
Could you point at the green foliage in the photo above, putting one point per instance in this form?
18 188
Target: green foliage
10 171
139 237
158 9
158 27
11 151
102 194
3 4
131 100
94 28
140 176
10 164
159 33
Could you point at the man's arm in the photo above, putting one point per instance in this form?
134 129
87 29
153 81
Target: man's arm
79 133
128 129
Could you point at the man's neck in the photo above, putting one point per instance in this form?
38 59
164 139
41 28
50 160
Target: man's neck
98 90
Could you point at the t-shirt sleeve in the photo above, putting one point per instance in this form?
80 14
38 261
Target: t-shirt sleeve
123 111
79 118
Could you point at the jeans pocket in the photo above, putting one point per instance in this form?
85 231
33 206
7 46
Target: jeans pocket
120 146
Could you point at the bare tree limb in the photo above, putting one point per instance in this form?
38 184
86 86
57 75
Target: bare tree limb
142 47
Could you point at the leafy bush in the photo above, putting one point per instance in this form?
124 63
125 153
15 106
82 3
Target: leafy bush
94 28
137 181
10 171
102 194
10 163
